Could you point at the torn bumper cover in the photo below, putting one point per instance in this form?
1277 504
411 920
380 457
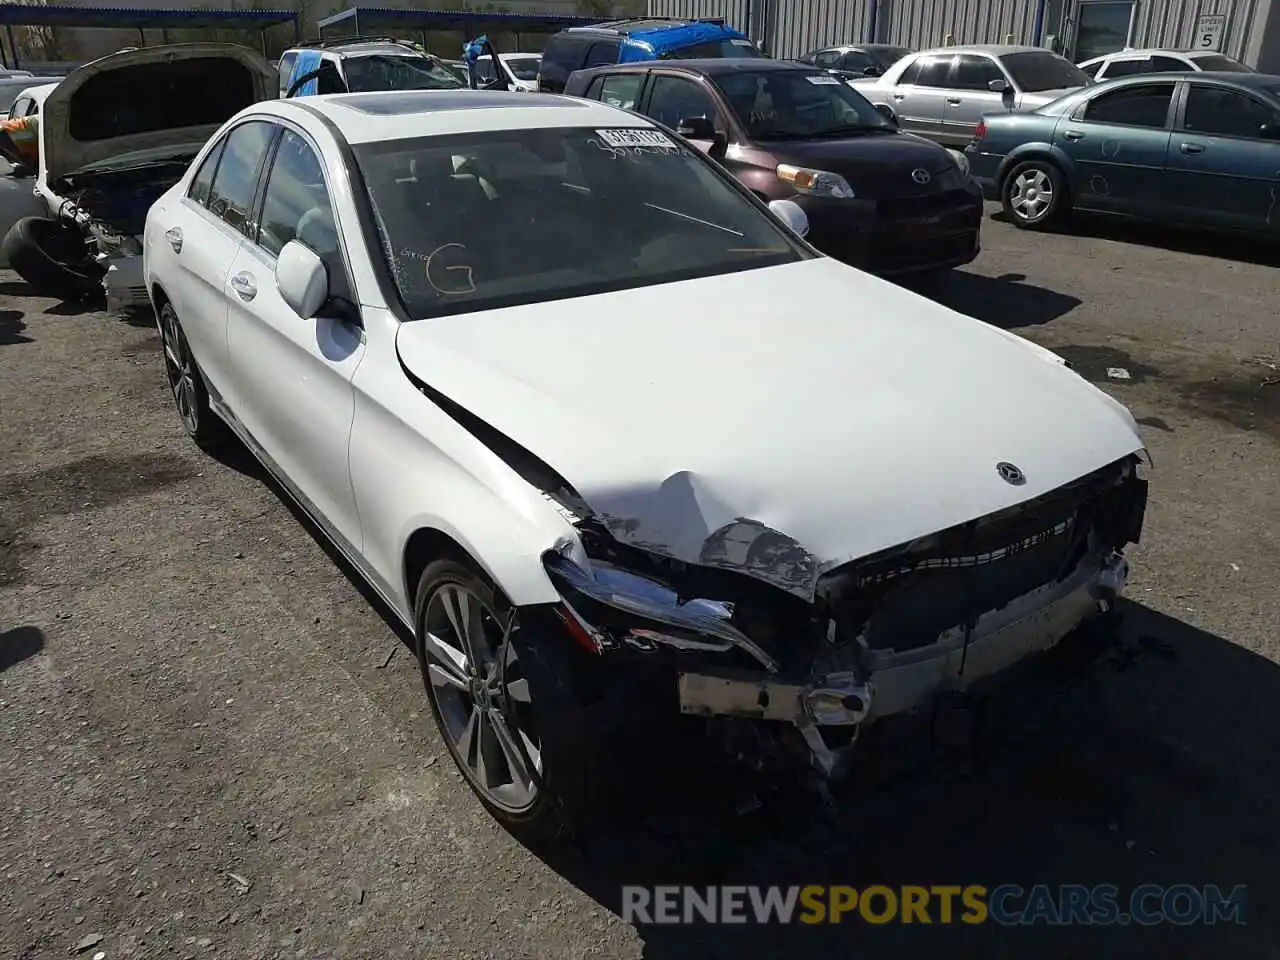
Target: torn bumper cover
901 682
884 635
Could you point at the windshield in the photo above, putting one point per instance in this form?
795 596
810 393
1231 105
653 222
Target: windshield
798 105
1034 72
1219 64
390 72
524 68
732 47
606 210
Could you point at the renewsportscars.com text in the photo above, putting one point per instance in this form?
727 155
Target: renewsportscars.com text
1006 905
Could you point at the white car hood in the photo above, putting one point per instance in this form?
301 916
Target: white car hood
809 412
63 154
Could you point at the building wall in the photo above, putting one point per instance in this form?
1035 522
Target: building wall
791 27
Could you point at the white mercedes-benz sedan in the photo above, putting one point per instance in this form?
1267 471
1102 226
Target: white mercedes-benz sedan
616 443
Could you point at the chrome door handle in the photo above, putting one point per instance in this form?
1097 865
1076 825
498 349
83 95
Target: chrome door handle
174 236
1072 135
1192 148
244 286
953 101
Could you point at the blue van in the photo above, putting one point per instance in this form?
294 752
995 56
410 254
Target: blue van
626 41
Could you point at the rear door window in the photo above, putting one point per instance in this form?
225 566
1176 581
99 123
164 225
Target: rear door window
1214 111
231 197
203 180
621 90
933 72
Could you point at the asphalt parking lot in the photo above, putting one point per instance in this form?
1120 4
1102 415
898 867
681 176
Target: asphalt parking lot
212 744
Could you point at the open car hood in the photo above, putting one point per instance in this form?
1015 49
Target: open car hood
89 118
778 421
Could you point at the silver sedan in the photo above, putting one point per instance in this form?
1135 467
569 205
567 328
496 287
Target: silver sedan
943 93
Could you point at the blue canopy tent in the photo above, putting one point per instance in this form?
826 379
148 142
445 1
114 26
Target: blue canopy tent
22 15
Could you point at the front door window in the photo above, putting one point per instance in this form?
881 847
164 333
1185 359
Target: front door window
1102 27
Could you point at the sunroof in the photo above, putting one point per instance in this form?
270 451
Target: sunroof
430 101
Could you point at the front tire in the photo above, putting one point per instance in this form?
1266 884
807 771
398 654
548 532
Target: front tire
1034 195
186 384
502 703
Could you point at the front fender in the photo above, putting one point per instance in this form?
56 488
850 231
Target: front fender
414 467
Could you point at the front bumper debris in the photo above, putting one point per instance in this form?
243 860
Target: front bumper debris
123 283
898 683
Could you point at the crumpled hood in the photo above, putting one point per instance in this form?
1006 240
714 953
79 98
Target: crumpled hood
64 154
779 421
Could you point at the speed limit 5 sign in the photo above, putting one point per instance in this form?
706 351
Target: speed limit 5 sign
1209 31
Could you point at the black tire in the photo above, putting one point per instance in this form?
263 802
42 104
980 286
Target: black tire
53 258
186 384
1034 195
554 715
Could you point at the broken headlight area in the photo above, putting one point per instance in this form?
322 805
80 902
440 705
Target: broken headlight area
885 635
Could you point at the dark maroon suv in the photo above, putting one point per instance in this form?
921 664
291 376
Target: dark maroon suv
876 198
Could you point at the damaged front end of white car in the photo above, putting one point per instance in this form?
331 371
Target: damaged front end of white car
781 648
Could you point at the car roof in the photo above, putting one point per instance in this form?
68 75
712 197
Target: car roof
403 114
989 49
1256 81
1157 52
711 66
38 93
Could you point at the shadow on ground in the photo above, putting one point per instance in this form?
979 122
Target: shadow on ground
1204 243
1005 301
18 644
1152 768
11 327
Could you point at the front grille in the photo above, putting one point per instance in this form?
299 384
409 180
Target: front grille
905 208
903 599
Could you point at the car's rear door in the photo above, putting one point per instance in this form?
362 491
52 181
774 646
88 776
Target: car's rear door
1221 171
1117 141
290 385
200 235
919 97
970 96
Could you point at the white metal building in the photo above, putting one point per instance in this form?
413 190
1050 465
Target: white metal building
1248 30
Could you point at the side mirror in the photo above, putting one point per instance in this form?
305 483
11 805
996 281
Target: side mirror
696 128
886 111
792 214
302 279
1269 131
998 86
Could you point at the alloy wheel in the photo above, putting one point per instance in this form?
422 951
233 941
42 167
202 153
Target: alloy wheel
1031 194
483 697
181 371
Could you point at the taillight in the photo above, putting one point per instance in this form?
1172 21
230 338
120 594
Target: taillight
981 130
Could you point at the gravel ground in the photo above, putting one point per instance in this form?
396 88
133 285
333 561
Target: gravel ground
212 743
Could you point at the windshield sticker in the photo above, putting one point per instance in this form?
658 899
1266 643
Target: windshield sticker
824 80
636 138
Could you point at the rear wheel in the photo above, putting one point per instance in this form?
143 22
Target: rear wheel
1034 195
187 385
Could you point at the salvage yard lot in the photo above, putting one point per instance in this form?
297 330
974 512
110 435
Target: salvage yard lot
213 744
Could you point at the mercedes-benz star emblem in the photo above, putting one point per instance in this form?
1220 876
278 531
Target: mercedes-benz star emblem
1010 474
920 175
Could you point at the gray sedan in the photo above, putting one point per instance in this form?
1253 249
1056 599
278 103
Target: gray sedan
942 94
